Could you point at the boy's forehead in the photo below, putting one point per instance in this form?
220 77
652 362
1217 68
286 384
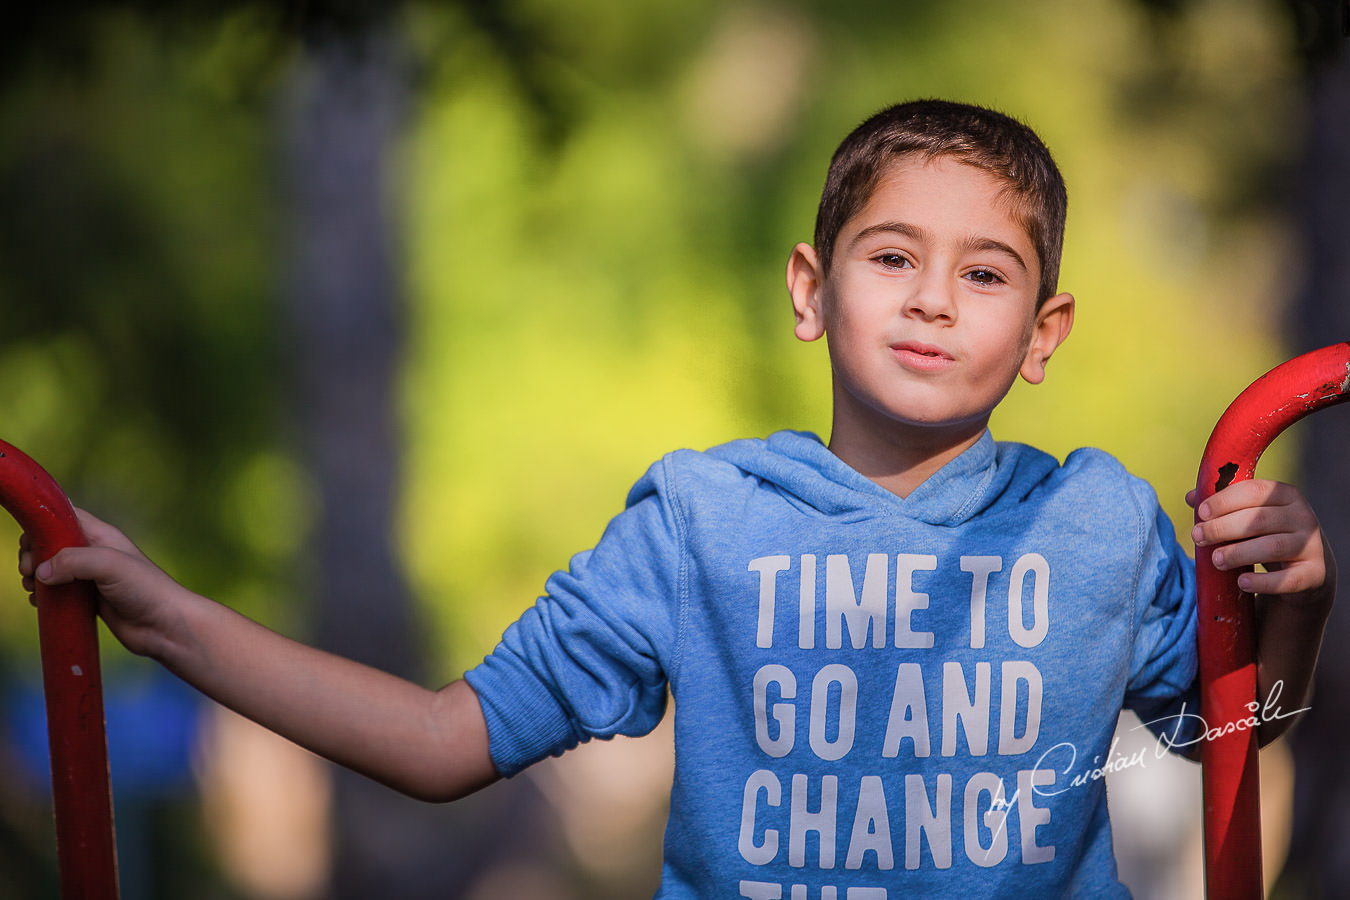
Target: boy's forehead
917 194
939 188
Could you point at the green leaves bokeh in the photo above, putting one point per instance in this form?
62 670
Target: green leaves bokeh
595 205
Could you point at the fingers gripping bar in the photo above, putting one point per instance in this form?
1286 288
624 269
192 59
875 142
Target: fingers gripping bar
71 682
1227 624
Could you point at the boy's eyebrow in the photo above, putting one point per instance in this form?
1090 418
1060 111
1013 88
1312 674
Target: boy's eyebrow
904 229
975 242
915 232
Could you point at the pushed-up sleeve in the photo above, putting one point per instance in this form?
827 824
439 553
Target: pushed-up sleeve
589 658
1162 689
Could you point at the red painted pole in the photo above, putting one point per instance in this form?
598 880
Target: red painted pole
1232 815
72 683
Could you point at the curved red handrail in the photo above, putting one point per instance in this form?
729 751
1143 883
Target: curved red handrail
72 683
1227 633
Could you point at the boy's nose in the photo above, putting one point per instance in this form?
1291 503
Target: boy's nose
932 299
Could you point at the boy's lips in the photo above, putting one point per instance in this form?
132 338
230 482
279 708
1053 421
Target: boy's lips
924 357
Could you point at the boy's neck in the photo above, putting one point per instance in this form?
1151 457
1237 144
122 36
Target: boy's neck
902 458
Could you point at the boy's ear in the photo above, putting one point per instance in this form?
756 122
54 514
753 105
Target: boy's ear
805 282
1053 322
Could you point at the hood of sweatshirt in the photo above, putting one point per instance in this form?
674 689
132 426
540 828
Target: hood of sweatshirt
799 466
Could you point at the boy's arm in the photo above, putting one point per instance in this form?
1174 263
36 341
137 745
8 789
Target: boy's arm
432 745
1270 524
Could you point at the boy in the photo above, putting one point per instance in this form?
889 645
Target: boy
895 658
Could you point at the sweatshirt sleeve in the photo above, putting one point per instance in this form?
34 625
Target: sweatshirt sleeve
1162 688
590 658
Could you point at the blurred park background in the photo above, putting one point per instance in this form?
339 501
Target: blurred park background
361 318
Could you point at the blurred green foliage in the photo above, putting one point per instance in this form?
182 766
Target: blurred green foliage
597 200
139 343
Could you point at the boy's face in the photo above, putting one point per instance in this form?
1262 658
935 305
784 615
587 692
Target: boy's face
929 305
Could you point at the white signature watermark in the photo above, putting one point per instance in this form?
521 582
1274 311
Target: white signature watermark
1170 737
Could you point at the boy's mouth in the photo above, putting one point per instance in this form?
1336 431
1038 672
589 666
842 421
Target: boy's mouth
924 357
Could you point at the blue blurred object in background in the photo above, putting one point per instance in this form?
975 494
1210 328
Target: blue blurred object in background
153 720
153 724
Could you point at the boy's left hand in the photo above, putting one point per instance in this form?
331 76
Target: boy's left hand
1267 523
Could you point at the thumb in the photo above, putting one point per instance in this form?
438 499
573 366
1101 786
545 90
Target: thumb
70 564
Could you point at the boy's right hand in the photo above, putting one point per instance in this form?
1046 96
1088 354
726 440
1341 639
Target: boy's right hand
428 744
134 593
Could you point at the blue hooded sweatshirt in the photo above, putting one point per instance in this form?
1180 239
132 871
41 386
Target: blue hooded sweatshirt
875 697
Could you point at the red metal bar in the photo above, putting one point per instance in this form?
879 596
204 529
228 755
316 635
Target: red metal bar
1232 801
73 685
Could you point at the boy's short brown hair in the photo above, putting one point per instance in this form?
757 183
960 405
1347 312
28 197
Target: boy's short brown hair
988 140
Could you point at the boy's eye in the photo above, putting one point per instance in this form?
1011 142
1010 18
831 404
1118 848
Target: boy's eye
893 260
984 276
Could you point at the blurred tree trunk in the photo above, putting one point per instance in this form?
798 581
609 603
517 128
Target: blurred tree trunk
341 117
1319 857
345 104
